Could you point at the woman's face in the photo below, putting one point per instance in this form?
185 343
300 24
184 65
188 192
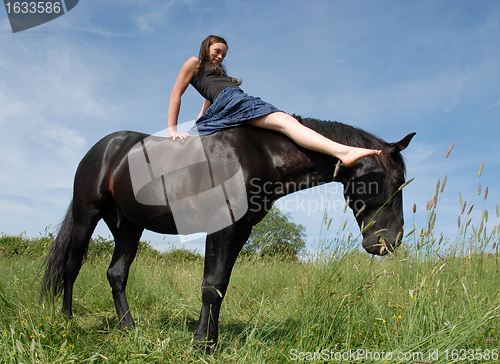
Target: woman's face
217 53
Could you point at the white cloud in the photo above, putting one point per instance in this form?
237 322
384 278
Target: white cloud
46 95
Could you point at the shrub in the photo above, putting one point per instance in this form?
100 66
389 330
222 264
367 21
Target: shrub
20 245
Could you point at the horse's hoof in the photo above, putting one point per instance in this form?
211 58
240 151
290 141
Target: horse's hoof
206 347
127 325
67 313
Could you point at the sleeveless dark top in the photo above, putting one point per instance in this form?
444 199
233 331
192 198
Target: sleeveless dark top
209 84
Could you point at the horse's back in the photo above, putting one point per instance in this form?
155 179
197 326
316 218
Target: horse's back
107 148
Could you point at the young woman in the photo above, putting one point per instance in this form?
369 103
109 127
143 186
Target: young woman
226 105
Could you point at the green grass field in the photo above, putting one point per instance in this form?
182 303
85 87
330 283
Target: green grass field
411 303
431 301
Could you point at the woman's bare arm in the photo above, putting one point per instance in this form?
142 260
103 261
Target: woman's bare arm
181 83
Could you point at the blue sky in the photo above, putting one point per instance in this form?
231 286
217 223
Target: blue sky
390 67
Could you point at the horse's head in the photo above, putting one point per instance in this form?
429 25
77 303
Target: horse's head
373 189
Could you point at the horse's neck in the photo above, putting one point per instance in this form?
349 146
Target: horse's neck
307 169
283 161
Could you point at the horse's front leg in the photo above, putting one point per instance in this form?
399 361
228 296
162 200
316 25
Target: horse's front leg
222 249
207 331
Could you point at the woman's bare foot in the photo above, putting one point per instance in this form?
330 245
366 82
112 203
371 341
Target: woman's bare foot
353 154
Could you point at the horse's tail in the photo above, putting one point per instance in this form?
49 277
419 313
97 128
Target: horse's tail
56 258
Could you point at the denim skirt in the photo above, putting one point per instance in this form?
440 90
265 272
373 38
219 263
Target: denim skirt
232 107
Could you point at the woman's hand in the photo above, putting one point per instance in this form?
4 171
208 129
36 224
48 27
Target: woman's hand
175 134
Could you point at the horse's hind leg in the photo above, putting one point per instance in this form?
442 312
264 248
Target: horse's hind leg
82 232
127 237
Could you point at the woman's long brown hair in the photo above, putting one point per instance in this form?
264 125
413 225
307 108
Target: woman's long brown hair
203 56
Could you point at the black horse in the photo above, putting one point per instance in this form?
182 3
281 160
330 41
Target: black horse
223 184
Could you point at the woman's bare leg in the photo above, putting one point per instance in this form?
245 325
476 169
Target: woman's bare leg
309 139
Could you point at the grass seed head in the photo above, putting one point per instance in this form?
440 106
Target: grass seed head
405 184
449 150
370 224
433 222
444 183
360 210
347 204
485 215
480 169
337 167
411 232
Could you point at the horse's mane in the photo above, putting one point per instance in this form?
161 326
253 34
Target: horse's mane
350 135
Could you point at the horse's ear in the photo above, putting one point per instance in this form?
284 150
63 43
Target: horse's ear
403 143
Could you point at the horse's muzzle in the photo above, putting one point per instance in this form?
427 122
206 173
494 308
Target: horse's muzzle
381 244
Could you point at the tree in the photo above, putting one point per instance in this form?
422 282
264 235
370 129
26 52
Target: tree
276 235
